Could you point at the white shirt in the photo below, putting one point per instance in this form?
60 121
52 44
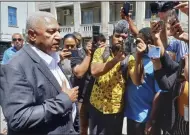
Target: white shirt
52 63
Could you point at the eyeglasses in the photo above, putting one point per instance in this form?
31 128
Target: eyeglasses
15 39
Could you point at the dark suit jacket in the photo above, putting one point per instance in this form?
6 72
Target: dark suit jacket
31 97
167 75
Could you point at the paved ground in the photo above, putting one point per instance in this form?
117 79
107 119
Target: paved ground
2 122
124 131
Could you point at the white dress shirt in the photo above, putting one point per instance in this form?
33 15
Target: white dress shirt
52 63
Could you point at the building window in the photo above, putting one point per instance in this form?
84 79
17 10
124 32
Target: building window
87 17
147 10
115 8
12 16
45 10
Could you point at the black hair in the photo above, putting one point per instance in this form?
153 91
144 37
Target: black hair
102 38
146 32
121 26
69 36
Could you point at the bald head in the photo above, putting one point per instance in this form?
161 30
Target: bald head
38 19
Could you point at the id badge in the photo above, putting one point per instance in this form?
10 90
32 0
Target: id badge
186 113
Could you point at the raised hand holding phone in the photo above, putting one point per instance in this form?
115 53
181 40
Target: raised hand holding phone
65 53
126 8
141 46
156 30
74 53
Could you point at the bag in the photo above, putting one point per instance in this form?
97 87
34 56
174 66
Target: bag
167 111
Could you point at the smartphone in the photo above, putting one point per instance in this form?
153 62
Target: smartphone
153 51
126 8
95 33
95 36
74 53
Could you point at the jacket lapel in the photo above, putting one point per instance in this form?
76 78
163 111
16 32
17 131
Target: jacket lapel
42 67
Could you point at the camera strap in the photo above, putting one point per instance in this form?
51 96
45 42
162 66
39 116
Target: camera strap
124 65
106 53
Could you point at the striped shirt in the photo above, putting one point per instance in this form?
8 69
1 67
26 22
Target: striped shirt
180 48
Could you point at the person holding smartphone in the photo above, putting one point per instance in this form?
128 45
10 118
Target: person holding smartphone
76 65
69 44
166 73
174 38
141 101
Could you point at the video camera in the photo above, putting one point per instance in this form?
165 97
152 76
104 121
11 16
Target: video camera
162 6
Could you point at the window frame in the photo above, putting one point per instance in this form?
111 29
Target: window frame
13 15
88 11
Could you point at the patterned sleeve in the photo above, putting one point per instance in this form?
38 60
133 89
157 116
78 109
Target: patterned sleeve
97 57
131 63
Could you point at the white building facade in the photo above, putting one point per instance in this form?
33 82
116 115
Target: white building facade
80 16
13 18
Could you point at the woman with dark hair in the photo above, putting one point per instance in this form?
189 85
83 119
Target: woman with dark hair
76 68
69 43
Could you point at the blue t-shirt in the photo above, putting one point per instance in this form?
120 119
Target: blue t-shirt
138 99
180 48
8 54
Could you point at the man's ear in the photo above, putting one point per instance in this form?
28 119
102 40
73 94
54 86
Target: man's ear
32 35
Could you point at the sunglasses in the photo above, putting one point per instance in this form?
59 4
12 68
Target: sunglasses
15 39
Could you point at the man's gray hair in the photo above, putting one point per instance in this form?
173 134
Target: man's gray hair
17 34
121 26
36 17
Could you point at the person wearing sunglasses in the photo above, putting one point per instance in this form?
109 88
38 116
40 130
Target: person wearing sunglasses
17 44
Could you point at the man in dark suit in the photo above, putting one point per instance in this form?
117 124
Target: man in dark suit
36 97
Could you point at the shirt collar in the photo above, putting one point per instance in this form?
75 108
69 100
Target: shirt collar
14 49
53 57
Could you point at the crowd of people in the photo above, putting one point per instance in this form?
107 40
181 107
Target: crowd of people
89 89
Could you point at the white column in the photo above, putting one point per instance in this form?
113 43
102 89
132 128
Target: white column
77 16
105 19
37 6
53 9
140 14
183 18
